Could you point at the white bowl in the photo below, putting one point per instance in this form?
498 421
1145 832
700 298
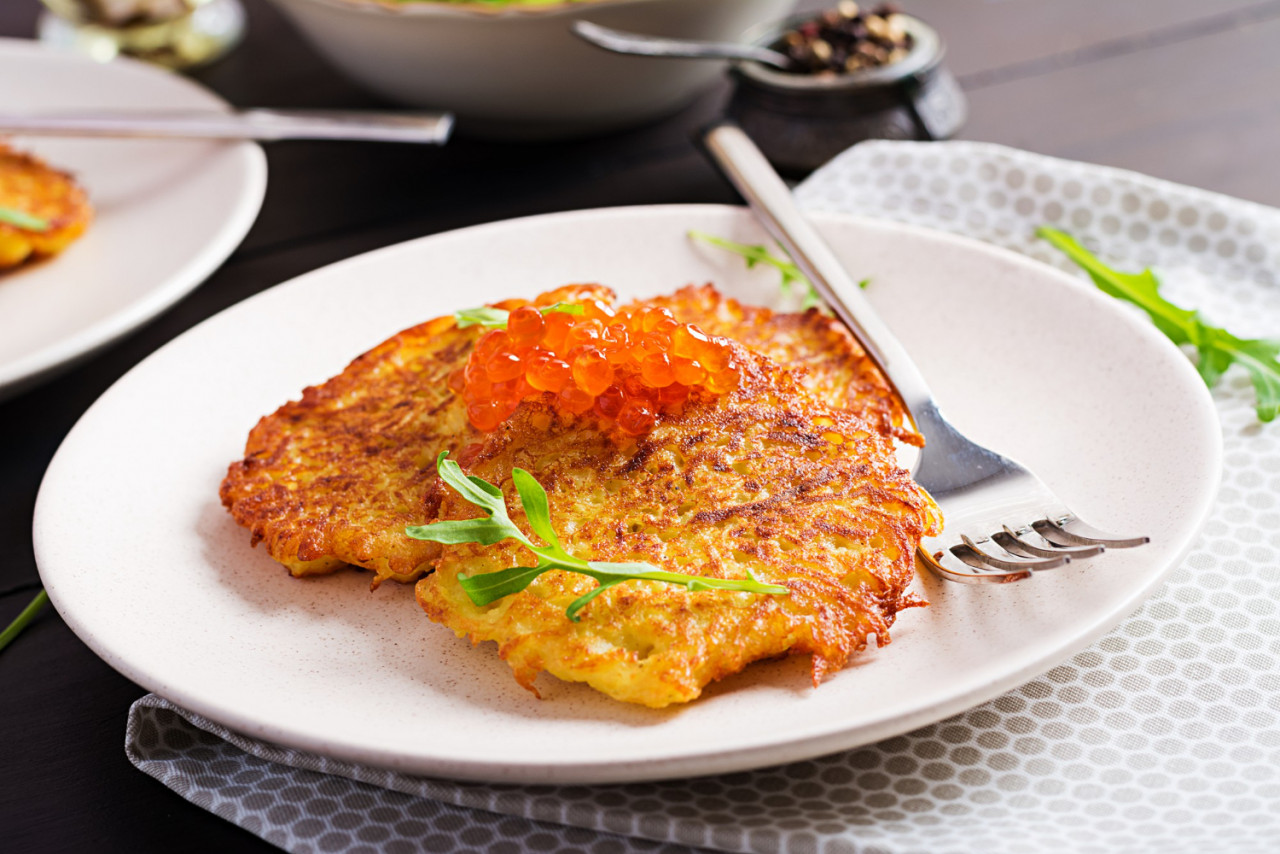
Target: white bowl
519 72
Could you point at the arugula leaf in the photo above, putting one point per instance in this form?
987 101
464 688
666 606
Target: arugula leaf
21 621
627 569
1258 356
754 255
483 316
23 220
576 606
489 587
496 318
486 531
483 531
563 308
536 508
1217 349
496 526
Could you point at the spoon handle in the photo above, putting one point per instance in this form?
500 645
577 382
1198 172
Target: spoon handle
263 125
641 45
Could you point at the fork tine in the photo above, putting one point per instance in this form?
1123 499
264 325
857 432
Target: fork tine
964 574
1068 530
971 554
1014 544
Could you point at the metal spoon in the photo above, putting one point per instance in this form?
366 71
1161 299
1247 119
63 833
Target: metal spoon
639 45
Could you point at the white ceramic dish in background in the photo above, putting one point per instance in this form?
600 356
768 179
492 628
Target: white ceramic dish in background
518 71
167 213
148 569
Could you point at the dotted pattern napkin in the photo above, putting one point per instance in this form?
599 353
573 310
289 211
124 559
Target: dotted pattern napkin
1164 737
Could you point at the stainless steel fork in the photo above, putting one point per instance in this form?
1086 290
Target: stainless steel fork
1002 522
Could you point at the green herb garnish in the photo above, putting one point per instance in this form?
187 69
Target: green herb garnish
22 620
496 318
790 273
23 220
496 526
1217 348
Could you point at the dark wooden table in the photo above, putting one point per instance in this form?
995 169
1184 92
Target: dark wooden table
1184 90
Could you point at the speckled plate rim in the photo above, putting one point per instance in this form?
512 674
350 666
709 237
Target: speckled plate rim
66 493
242 209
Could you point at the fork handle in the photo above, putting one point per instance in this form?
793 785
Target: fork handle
265 125
748 170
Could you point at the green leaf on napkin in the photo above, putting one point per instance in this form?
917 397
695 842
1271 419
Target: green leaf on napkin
1217 348
496 526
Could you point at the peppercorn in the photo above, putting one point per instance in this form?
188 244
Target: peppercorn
846 39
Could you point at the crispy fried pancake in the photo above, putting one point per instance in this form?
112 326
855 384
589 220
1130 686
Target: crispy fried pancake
763 478
334 478
28 185
825 356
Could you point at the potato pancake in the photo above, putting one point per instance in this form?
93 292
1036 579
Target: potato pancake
826 357
765 478
31 187
333 479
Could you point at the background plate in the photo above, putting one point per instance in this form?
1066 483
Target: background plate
147 568
167 212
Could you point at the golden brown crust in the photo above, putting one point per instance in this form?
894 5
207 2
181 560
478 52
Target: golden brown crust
791 475
764 478
29 185
826 359
334 478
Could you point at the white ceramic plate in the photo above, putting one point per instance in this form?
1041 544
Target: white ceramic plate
144 564
168 212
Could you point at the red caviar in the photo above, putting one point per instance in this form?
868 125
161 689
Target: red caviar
524 325
627 366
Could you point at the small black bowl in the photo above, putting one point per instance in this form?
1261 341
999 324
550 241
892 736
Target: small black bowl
801 121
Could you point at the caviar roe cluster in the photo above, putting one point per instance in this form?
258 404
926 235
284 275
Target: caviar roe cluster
627 366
